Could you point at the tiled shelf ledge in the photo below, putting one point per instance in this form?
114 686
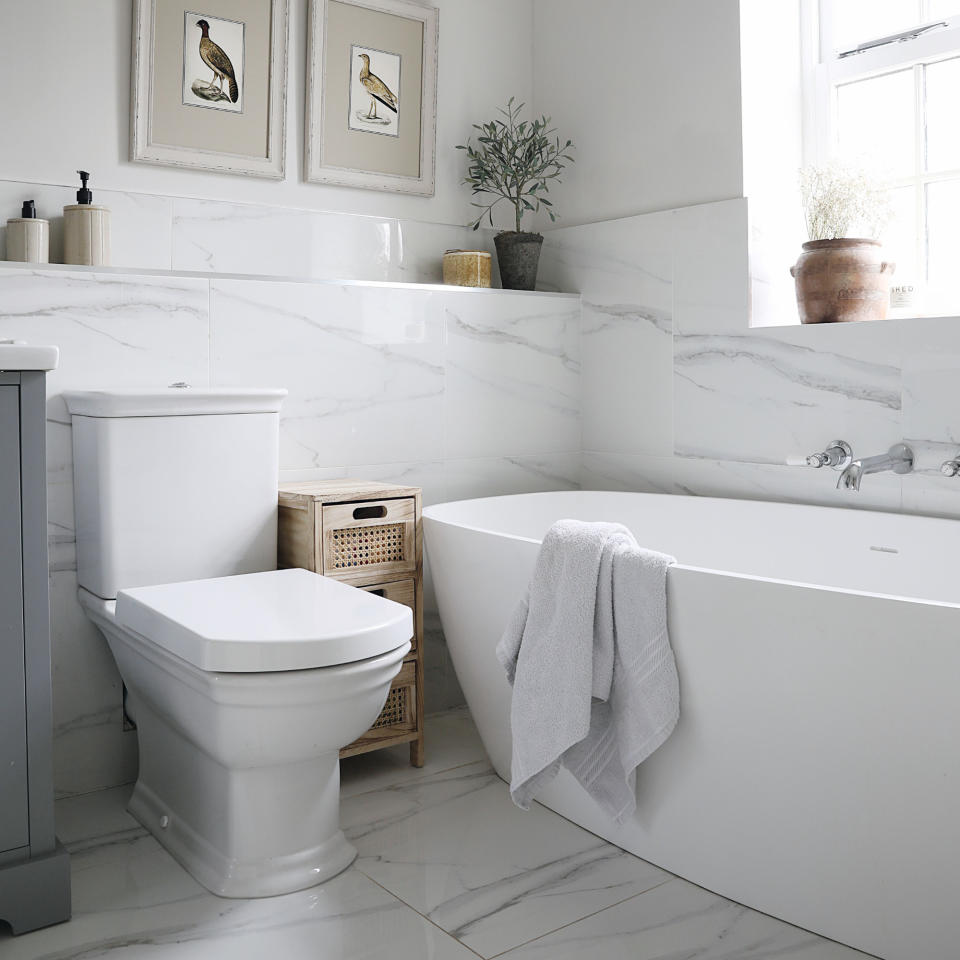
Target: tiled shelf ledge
796 325
53 268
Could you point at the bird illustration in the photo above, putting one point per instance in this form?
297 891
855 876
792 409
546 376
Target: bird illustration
377 89
214 57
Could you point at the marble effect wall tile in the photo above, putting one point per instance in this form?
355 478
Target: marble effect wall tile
91 750
772 395
711 269
736 480
140 223
283 242
365 387
156 232
273 241
418 248
624 272
512 375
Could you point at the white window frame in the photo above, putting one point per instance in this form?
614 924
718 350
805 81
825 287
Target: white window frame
824 71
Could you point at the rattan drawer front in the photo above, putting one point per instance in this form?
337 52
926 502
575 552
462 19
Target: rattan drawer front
372 538
402 591
398 716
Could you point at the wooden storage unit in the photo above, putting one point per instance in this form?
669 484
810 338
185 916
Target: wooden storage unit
370 536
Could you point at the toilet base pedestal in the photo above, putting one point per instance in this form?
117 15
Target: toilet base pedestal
241 832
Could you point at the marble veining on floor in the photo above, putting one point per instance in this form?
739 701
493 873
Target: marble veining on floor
448 869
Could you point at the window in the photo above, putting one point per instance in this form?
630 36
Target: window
885 85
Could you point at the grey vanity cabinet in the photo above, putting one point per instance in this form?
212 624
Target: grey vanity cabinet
34 868
14 828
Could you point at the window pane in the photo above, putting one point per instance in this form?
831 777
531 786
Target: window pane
943 239
856 21
900 237
875 121
900 241
943 131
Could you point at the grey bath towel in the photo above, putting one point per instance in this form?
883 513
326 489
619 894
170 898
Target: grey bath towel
594 680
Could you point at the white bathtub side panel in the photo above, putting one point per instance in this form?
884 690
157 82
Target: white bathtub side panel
479 577
814 774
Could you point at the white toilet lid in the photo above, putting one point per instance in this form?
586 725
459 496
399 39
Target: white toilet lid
262 622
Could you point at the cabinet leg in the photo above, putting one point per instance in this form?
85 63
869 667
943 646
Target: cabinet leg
417 757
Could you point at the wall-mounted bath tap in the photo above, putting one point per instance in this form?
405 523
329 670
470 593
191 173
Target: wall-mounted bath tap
950 468
898 459
837 455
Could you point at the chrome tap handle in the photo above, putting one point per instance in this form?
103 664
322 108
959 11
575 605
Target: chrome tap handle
838 455
950 468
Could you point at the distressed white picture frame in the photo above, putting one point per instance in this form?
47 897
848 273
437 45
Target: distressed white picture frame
317 171
144 149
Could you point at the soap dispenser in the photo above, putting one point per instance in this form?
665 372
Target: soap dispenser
86 229
28 237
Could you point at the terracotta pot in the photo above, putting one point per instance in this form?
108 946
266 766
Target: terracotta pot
839 281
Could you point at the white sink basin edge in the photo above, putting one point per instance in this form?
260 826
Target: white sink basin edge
17 355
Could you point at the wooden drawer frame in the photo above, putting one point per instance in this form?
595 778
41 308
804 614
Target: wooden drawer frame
399 591
350 544
310 514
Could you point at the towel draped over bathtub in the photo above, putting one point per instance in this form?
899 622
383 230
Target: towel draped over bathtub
595 685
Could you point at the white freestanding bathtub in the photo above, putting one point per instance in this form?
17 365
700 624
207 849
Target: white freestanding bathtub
815 771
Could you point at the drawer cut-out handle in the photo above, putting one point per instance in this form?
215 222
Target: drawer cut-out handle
377 512
379 593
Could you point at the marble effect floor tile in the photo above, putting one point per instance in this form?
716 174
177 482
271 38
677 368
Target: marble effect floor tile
448 869
132 901
679 921
455 848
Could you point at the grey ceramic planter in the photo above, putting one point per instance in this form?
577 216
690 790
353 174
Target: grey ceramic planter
518 255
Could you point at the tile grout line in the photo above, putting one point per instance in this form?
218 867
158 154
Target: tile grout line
572 923
432 923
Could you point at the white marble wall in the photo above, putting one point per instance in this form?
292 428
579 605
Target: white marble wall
463 392
683 394
152 232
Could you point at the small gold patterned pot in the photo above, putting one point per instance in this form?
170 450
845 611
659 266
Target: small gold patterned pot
840 281
466 268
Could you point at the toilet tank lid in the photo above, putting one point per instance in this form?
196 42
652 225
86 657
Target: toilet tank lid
265 622
177 400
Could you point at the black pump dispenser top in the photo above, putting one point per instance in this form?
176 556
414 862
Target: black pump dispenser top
29 211
83 194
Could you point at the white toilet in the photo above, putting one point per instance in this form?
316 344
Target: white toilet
244 681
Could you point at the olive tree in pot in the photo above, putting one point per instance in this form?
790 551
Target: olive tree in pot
841 275
515 160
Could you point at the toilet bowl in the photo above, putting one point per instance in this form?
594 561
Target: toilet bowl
244 681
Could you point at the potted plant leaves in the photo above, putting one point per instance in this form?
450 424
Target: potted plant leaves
515 160
841 275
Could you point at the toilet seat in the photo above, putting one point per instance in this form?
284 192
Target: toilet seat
265 622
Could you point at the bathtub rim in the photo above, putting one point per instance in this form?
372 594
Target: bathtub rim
430 513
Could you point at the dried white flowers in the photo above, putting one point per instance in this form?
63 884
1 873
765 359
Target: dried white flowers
841 199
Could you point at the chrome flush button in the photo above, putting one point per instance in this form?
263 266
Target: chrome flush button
179 385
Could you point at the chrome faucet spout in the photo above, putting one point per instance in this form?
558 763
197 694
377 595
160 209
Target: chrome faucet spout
898 459
851 477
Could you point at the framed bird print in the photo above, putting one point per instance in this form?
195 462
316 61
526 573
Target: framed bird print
372 95
209 85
